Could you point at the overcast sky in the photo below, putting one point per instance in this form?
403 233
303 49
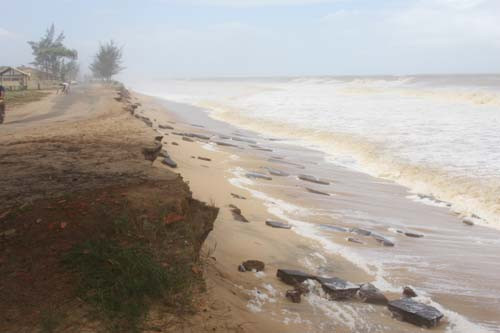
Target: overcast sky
193 38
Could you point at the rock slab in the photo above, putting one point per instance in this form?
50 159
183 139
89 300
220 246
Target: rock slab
276 224
293 277
337 288
415 313
368 293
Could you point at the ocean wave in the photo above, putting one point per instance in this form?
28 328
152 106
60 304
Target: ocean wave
467 195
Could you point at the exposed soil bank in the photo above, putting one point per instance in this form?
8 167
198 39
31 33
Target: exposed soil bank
73 170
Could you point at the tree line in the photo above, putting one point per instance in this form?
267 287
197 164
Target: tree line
53 57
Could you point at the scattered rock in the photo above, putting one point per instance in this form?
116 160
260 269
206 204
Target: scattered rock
185 138
159 138
169 161
276 224
151 153
260 148
337 288
165 127
204 159
242 140
281 161
195 125
293 277
175 143
313 179
220 143
257 175
413 234
368 293
415 313
237 215
468 221
236 196
334 228
276 172
360 231
294 295
354 240
382 240
197 136
409 292
252 265
316 191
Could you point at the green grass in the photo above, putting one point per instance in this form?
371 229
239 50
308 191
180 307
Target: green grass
20 97
120 282
49 321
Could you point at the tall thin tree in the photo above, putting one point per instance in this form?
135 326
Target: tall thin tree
108 61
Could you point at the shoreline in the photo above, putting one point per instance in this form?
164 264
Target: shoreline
191 172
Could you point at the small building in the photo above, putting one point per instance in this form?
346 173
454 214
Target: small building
13 78
37 74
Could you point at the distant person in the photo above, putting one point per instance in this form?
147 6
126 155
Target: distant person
63 88
2 104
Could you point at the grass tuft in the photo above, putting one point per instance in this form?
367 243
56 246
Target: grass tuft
121 281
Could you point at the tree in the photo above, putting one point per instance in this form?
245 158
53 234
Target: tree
51 55
108 61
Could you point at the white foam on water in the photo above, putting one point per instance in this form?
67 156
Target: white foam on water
258 298
340 311
210 147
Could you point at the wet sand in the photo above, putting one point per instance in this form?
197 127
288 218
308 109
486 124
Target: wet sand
442 266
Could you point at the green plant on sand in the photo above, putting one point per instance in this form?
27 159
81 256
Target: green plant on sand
121 281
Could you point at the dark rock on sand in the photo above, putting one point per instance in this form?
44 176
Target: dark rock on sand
354 240
415 313
159 138
413 235
334 228
185 138
409 292
252 265
294 295
199 126
293 277
237 215
360 231
313 179
225 144
368 293
468 221
281 161
311 190
197 136
257 175
237 196
382 240
165 127
151 153
276 172
276 224
204 158
337 288
175 143
260 148
243 140
169 161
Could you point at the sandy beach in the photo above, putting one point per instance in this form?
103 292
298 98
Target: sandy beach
92 140
259 298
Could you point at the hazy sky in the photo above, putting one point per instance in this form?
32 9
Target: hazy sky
186 38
